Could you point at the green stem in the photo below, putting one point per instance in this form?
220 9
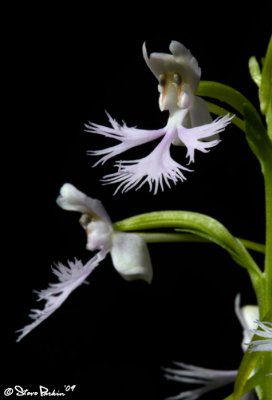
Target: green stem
260 248
268 255
166 237
203 226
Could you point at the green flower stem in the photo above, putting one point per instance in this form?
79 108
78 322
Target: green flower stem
267 168
259 247
266 382
265 92
203 226
166 237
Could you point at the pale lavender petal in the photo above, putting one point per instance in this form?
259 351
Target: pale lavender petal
210 379
260 345
189 394
156 169
264 331
70 277
129 138
192 138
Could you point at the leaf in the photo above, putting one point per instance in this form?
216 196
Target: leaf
247 366
226 94
195 223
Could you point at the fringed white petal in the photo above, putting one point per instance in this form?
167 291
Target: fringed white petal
210 379
129 138
72 199
193 137
264 331
261 345
156 169
70 277
130 257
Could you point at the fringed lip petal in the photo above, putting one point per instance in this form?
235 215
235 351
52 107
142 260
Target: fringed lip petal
210 379
193 138
129 138
156 169
70 277
264 331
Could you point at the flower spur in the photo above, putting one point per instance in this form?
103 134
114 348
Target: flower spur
189 124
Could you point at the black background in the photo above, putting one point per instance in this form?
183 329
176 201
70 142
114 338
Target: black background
111 337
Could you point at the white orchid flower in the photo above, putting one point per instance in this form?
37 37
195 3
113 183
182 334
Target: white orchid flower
249 319
189 124
211 379
128 251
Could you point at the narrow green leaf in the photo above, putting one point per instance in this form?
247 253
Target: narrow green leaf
254 70
195 223
166 237
203 226
247 366
226 94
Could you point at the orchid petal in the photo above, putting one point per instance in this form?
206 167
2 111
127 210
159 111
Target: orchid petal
180 61
266 332
72 199
192 138
247 316
260 345
155 169
210 379
129 138
70 277
130 257
199 114
183 57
